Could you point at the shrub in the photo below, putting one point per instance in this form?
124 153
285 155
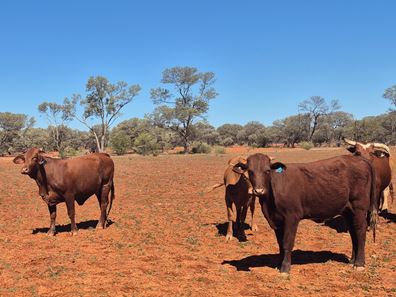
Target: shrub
119 142
200 148
146 144
307 145
219 150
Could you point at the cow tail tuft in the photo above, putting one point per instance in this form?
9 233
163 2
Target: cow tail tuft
112 196
373 202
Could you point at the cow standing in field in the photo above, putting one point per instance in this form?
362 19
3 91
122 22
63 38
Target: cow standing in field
318 190
379 155
70 180
238 191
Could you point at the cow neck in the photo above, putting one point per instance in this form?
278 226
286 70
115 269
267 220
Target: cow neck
42 176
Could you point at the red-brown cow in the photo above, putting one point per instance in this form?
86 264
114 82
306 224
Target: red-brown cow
318 190
70 180
238 191
379 154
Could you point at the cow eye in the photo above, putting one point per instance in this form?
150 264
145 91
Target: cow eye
267 171
34 159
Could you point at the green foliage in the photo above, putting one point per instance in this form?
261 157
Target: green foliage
200 148
228 134
177 110
104 101
12 129
390 93
146 144
219 150
120 142
69 152
307 145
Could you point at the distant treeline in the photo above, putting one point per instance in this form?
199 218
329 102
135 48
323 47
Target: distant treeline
179 120
144 136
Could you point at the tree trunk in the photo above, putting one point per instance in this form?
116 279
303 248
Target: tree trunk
97 141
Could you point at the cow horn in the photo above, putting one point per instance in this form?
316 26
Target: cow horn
350 142
381 147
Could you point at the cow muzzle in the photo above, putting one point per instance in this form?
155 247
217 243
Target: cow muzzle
25 170
259 191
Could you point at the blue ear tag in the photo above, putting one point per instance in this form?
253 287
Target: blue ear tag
279 170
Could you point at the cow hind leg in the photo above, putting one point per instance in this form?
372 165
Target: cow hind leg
104 201
52 211
352 232
360 227
230 218
241 222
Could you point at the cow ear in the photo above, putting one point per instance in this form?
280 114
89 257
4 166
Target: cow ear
278 166
240 168
352 149
19 159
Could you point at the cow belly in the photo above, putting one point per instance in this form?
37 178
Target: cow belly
80 199
322 209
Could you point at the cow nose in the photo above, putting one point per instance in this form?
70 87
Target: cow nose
24 170
259 191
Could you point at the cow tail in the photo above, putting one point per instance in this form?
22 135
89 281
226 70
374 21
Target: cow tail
391 192
112 196
210 189
373 202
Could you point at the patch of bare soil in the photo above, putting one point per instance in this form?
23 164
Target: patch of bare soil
167 239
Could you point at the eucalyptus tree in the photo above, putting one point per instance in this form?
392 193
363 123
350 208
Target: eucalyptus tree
102 106
186 100
57 115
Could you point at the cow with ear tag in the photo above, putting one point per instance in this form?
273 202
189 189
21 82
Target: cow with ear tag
70 180
320 190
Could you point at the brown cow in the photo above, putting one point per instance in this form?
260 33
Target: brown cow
318 190
379 154
238 191
70 180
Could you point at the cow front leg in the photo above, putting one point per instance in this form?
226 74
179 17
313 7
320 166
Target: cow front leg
104 201
72 215
252 208
289 236
52 211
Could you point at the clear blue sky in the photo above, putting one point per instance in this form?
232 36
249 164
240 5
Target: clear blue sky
267 55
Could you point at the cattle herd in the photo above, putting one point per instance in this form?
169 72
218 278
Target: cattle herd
355 186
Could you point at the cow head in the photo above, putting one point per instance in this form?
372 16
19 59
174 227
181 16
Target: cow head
31 159
259 168
368 150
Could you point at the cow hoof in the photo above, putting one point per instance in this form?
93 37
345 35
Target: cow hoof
284 275
99 227
51 233
74 233
228 237
255 228
358 268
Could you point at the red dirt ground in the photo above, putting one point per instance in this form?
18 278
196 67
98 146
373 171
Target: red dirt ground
167 240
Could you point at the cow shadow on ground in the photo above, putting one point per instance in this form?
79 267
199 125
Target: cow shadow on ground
391 217
299 257
90 224
222 230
